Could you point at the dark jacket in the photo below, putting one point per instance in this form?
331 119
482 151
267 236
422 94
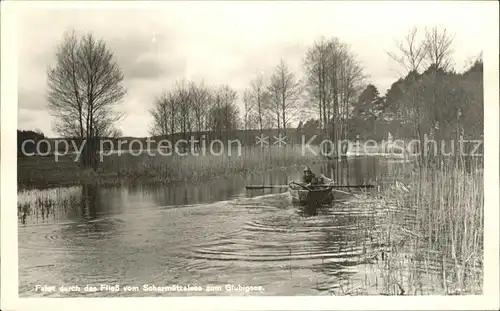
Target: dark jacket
308 178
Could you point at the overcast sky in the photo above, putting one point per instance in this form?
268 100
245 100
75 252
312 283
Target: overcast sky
229 43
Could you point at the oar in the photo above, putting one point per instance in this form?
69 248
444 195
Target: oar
352 186
306 188
266 186
340 191
300 185
275 186
345 186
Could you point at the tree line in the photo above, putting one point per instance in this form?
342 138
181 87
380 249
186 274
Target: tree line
192 109
431 100
86 86
30 148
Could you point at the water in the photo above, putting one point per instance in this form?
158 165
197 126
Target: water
216 233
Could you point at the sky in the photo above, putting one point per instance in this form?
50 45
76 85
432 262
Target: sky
228 43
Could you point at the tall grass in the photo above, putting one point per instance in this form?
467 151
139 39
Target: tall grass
41 204
201 166
435 231
169 168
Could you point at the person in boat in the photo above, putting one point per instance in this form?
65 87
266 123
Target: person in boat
309 178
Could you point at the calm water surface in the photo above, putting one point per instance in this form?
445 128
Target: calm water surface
216 233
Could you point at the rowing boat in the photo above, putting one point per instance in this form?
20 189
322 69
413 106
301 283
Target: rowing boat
315 195
320 193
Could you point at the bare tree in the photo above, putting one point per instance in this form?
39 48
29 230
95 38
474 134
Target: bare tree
273 106
223 113
165 114
184 110
285 91
411 51
84 88
316 66
173 103
345 82
248 107
438 48
201 99
161 116
351 81
434 49
334 78
258 94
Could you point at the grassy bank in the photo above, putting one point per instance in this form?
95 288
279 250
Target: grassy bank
434 234
44 171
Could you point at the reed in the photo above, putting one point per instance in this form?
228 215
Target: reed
193 167
41 204
434 232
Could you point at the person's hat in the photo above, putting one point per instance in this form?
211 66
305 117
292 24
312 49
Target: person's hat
307 169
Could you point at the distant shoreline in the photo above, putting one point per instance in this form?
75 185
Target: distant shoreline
45 172
114 179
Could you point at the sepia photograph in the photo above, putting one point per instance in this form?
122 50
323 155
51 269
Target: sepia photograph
253 148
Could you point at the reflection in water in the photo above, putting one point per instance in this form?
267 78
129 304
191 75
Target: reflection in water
210 233
90 199
308 210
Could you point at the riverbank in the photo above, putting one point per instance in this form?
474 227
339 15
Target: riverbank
127 168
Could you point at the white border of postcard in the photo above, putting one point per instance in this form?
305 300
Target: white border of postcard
9 253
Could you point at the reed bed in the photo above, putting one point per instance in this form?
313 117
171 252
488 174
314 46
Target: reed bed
204 166
193 167
434 233
41 204
430 239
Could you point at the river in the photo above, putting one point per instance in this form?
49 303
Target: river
211 234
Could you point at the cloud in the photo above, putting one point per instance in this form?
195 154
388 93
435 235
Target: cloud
147 56
145 68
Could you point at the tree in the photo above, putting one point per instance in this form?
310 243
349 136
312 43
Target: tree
161 115
84 88
201 103
434 49
395 103
471 112
185 104
421 100
258 97
369 107
247 103
285 91
317 63
30 148
411 52
348 80
334 78
438 48
223 115
439 103
311 127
